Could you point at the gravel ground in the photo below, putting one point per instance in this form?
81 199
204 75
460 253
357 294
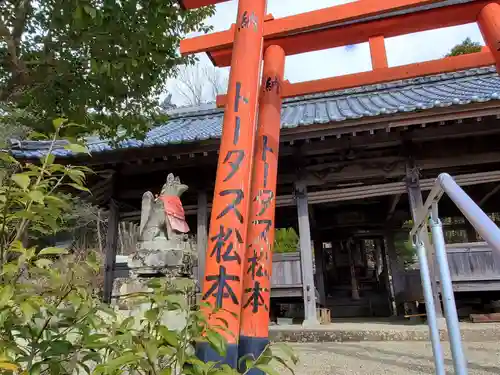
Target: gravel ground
376 358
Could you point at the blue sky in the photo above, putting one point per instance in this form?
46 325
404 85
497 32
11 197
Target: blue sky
401 50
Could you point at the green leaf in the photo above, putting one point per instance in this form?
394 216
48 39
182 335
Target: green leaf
267 369
52 251
22 180
6 294
96 341
152 351
127 323
217 342
125 359
286 365
169 336
58 122
10 269
36 196
78 187
93 262
77 149
36 369
152 314
59 347
7 158
27 309
37 136
287 350
49 159
91 11
44 263
78 13
166 371
76 175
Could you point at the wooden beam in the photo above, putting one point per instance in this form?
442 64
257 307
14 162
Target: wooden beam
378 53
320 269
340 25
393 272
394 202
485 199
361 170
445 65
351 243
306 256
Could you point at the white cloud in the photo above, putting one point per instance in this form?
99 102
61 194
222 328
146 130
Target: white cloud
345 60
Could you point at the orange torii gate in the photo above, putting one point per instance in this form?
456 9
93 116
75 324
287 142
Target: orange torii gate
238 267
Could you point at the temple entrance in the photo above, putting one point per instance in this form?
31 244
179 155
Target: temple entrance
354 277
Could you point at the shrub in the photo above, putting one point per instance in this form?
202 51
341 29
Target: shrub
286 241
51 318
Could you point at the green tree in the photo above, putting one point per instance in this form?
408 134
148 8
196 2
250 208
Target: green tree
101 63
464 48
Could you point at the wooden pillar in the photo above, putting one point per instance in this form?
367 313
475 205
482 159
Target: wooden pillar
416 203
227 241
471 231
320 269
378 53
111 246
306 256
363 255
254 332
201 234
392 272
378 260
351 248
488 21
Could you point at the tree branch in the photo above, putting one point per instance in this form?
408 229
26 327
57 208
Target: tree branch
22 12
11 44
18 69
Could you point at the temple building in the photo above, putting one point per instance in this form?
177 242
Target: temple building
354 165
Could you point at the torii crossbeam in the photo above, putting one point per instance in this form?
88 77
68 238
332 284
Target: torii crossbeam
345 24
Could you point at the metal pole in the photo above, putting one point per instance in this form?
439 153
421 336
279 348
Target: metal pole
479 220
450 309
429 307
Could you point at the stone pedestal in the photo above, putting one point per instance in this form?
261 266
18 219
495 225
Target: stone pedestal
163 257
169 261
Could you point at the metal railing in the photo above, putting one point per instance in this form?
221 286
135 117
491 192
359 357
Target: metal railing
429 215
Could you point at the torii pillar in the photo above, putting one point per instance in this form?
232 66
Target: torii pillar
488 21
254 331
227 240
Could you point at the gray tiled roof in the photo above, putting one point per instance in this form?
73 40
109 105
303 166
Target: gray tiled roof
203 123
